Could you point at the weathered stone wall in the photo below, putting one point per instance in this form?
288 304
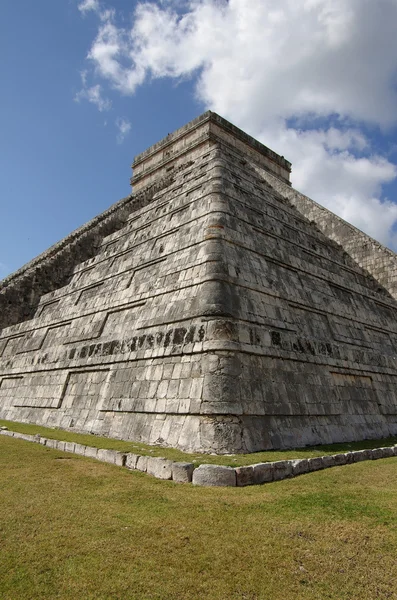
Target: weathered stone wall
216 318
380 262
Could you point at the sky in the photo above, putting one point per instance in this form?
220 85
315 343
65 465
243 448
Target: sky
88 84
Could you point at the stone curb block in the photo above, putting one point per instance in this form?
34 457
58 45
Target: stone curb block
282 469
141 463
214 475
316 464
131 460
244 476
299 466
209 474
182 472
111 456
159 467
263 473
79 449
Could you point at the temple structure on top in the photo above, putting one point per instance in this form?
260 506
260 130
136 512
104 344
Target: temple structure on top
216 309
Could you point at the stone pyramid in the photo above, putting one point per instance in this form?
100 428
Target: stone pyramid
215 309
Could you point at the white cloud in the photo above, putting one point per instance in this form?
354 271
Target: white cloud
93 94
265 64
124 127
88 5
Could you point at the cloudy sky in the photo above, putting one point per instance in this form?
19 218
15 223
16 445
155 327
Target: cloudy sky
87 84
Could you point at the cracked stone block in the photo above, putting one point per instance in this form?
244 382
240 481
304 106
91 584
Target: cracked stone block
214 475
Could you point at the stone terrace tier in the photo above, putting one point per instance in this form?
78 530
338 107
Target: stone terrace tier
215 317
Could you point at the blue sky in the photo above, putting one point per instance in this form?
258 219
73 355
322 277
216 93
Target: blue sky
86 85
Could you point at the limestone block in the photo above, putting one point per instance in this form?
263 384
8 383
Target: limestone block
387 452
111 456
340 459
141 463
60 445
360 455
282 469
316 464
395 450
9 433
24 436
299 466
159 467
214 475
3 428
43 441
52 443
69 446
328 461
182 472
91 452
131 460
79 449
377 453
263 472
245 476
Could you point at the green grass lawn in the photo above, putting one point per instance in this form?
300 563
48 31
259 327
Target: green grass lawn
232 460
78 529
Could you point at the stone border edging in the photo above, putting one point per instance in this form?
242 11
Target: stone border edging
208 474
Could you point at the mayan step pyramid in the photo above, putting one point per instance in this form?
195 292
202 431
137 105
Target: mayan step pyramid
216 309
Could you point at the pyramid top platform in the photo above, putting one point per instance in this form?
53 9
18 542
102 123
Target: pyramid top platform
208 128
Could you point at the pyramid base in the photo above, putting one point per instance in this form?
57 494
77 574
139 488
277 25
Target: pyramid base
221 434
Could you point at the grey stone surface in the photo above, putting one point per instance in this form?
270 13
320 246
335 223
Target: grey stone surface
360 455
214 475
91 452
79 449
6 432
111 456
215 309
315 464
263 472
245 476
377 453
328 462
387 452
340 459
282 469
182 472
159 467
131 460
69 446
299 466
141 463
